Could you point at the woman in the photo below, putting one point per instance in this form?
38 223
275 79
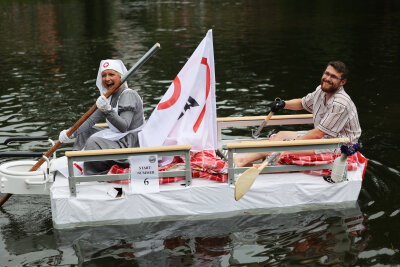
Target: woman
123 111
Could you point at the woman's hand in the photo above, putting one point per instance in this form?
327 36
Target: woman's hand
63 137
102 104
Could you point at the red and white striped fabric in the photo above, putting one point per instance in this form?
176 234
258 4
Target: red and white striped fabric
204 164
321 159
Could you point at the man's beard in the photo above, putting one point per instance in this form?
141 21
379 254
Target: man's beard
329 87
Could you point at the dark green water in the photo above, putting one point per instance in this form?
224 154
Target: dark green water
49 56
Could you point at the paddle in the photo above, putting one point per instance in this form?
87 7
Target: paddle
247 178
90 111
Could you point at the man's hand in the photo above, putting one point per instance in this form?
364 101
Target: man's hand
277 105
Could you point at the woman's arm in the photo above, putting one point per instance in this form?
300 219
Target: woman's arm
127 106
92 120
121 121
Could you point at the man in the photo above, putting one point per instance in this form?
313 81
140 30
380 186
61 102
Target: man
334 113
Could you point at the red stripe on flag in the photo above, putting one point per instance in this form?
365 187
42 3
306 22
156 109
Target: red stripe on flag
175 96
208 85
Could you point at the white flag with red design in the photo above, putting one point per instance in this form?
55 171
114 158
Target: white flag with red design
187 112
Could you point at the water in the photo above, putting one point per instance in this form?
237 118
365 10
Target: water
50 51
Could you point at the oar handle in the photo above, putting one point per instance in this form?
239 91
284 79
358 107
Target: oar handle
143 60
268 160
268 117
94 107
257 133
48 154
263 165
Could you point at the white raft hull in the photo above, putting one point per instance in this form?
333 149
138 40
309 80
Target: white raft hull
94 205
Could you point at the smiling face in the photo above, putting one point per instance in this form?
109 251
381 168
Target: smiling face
331 80
109 78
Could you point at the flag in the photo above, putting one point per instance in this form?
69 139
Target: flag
187 112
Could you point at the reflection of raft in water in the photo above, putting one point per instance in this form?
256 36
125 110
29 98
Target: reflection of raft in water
81 200
304 237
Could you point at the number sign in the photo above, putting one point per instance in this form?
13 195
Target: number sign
144 174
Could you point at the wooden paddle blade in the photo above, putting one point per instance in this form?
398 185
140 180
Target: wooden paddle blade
245 181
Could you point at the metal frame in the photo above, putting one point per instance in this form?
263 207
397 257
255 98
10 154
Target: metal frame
275 120
73 180
232 170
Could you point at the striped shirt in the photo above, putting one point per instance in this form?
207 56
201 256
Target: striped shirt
338 118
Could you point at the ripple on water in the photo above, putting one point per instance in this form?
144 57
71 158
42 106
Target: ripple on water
394 213
376 215
370 254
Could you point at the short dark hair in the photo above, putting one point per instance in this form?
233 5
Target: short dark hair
340 67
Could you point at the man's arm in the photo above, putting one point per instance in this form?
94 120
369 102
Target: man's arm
312 134
294 104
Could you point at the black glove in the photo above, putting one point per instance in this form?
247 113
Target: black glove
277 105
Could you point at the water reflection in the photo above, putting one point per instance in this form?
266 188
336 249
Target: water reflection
322 237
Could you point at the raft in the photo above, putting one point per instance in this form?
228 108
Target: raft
79 200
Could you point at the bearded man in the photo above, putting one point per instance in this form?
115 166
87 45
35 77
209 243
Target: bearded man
334 113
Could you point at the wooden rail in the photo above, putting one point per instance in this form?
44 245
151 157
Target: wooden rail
267 143
257 118
126 150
